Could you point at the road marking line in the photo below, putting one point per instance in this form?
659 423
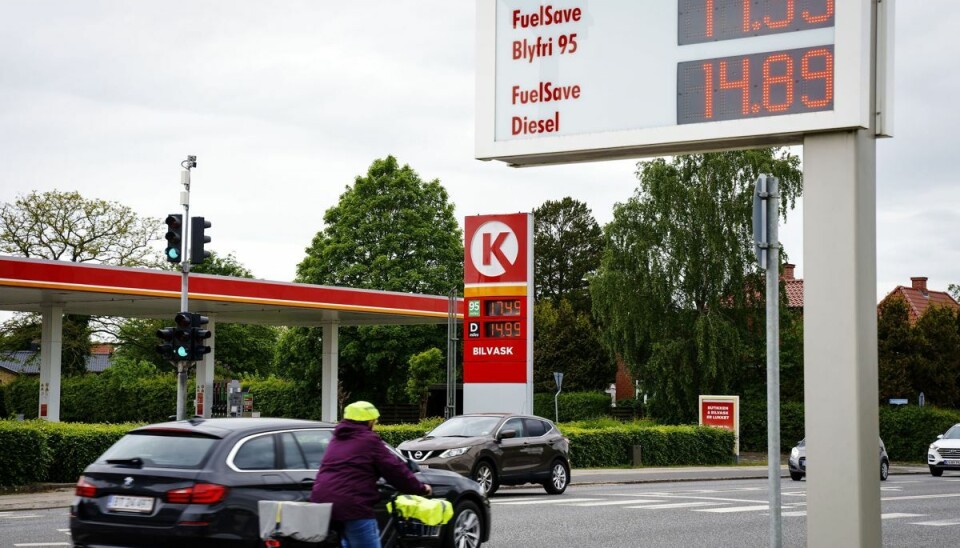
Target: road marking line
794 514
921 497
616 502
44 544
23 516
730 509
553 501
891 488
897 515
941 523
674 505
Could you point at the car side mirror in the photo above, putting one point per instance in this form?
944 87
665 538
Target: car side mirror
507 434
939 436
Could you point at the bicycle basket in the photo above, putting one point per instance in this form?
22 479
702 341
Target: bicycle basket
412 528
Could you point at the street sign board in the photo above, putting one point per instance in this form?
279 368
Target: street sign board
573 80
722 412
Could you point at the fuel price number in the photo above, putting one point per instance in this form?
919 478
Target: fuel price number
788 81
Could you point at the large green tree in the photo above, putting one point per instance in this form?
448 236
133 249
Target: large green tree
568 244
240 348
898 351
566 341
678 272
65 226
392 231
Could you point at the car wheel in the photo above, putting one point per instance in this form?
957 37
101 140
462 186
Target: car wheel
796 476
936 472
559 478
486 475
884 470
465 528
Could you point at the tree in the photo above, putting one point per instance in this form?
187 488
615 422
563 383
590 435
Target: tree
566 340
23 331
938 373
898 351
65 226
426 369
240 348
68 227
390 231
569 244
673 285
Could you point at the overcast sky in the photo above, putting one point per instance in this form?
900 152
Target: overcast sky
285 103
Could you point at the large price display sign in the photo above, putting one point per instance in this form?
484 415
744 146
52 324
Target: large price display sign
571 80
498 325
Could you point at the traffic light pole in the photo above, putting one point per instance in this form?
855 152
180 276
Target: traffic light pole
182 365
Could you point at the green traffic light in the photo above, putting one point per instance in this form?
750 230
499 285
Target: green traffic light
182 352
173 253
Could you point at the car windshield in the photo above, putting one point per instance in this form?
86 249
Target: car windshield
466 427
953 433
159 449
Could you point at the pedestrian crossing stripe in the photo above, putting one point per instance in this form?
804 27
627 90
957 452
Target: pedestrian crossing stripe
674 505
616 502
541 501
940 523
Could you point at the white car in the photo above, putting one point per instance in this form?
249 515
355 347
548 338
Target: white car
944 454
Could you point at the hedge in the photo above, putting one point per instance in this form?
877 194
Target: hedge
26 456
75 446
906 431
660 445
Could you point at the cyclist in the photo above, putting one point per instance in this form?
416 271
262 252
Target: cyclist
353 462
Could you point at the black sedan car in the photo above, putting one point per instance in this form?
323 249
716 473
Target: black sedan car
198 482
496 449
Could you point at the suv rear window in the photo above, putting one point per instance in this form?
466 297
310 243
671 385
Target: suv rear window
161 449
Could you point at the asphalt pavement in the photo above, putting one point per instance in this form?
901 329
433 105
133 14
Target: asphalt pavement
61 495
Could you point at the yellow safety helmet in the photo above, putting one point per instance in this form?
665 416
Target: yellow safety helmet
361 411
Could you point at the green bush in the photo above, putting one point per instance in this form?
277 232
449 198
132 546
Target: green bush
75 446
23 396
660 445
26 456
36 450
3 401
572 405
276 397
753 425
907 431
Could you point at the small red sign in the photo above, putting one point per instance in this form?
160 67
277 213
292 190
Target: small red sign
718 413
43 410
495 350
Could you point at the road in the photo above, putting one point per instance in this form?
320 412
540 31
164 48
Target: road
917 510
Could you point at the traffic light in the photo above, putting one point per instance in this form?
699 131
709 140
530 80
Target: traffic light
197 337
165 348
197 239
181 336
174 251
176 341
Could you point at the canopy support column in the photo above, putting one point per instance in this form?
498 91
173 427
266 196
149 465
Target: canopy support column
330 382
51 350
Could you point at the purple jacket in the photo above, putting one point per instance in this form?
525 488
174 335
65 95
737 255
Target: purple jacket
355 459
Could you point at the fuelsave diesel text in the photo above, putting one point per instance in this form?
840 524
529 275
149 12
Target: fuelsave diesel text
529 49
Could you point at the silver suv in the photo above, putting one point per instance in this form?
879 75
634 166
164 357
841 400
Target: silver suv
798 461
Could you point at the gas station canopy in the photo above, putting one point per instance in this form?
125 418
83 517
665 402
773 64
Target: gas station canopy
29 285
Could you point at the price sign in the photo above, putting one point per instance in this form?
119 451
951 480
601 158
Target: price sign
575 80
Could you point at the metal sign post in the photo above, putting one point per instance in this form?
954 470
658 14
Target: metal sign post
557 376
766 219
182 366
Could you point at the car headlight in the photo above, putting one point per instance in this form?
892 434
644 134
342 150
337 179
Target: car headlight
794 453
933 447
453 452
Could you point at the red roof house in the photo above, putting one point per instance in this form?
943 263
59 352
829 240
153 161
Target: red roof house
919 298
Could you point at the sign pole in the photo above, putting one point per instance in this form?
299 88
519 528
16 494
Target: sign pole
773 361
557 376
182 366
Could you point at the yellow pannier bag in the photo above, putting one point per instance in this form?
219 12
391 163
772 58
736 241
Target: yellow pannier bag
424 510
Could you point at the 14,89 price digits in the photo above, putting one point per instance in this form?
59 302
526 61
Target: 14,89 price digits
755 85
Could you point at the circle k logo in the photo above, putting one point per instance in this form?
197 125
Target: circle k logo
494 248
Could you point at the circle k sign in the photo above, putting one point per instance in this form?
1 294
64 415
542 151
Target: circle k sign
497 248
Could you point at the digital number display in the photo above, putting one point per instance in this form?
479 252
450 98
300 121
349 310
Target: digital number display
755 85
501 330
504 307
711 20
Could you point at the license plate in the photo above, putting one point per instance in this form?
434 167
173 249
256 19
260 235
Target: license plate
423 465
952 461
119 503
